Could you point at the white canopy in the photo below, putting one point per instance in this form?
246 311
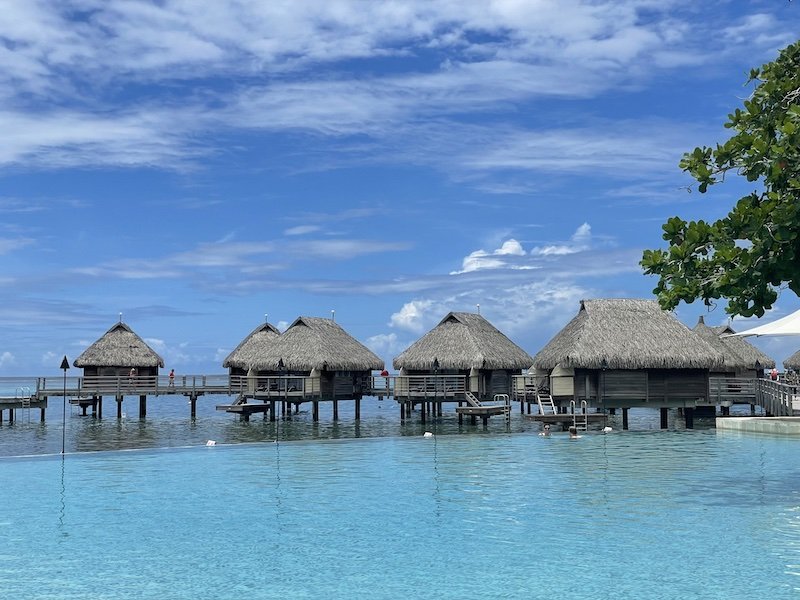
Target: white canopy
788 325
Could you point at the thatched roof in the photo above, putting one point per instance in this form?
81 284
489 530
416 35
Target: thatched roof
738 352
119 347
252 347
313 342
626 334
463 341
793 362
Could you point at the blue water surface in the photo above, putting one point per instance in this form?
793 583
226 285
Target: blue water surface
638 514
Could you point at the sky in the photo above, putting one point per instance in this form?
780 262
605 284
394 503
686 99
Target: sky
196 167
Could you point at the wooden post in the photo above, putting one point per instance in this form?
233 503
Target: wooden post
358 409
726 411
193 405
1 415
272 410
335 410
461 417
119 407
422 413
100 407
624 419
612 411
315 411
10 415
41 417
688 413
142 406
664 417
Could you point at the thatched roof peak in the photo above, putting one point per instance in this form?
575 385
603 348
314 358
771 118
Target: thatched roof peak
309 343
793 362
251 347
463 341
737 352
626 333
119 347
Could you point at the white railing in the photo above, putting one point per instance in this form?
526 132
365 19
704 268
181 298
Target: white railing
429 386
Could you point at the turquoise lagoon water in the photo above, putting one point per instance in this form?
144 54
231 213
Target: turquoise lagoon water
466 514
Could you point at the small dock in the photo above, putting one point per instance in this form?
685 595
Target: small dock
14 403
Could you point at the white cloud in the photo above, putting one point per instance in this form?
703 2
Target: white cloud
7 359
50 358
480 259
579 242
301 230
413 316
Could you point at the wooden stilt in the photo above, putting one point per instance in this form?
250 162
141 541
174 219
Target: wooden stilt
272 410
752 409
624 419
142 406
10 415
41 416
193 406
422 413
358 409
100 407
726 411
612 411
664 418
119 407
315 411
439 409
402 411
335 410
688 414
473 419
461 417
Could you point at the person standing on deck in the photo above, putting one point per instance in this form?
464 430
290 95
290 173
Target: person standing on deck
773 374
172 378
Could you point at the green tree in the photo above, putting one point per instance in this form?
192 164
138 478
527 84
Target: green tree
753 252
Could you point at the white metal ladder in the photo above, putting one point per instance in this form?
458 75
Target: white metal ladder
580 420
505 399
545 402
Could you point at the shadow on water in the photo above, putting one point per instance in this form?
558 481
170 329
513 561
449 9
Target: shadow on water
168 424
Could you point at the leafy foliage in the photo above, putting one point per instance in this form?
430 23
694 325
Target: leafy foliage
748 255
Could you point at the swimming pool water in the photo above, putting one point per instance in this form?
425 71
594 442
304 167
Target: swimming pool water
646 515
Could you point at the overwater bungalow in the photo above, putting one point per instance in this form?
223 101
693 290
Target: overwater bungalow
740 359
621 353
733 382
792 367
117 352
119 363
313 360
251 350
469 349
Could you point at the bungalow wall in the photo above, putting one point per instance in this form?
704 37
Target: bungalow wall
641 387
89 371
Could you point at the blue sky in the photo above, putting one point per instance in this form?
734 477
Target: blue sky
196 165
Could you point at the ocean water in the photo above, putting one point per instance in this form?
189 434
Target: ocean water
383 512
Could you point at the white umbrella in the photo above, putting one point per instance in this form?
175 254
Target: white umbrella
788 325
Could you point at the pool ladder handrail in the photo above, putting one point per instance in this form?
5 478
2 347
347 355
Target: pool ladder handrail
579 420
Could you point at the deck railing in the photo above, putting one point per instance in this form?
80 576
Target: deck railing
777 398
427 386
731 390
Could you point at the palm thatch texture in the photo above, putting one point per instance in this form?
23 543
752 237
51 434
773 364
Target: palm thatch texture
308 343
462 341
119 347
252 347
626 333
793 362
738 354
